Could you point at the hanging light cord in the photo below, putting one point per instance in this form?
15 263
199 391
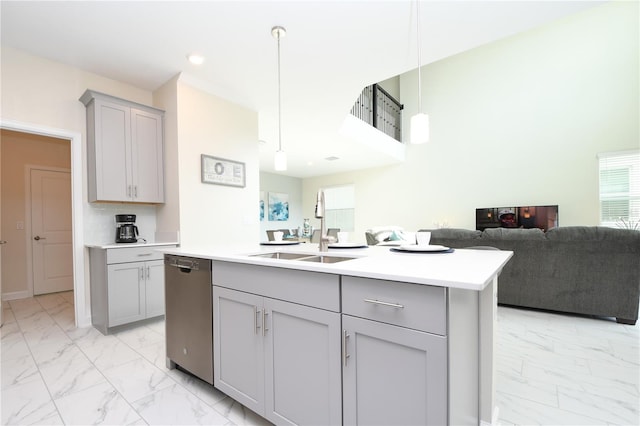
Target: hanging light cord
419 57
279 98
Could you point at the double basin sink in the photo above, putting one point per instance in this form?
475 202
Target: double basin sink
304 257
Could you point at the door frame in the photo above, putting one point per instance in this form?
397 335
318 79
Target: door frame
28 216
80 293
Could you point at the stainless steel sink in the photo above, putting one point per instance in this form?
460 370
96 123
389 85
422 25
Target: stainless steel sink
306 257
325 259
282 255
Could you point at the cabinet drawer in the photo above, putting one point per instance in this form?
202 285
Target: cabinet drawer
313 289
134 254
420 307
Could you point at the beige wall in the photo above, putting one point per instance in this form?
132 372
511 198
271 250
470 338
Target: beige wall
214 213
516 122
43 93
18 151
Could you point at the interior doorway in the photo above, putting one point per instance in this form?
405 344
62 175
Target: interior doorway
81 304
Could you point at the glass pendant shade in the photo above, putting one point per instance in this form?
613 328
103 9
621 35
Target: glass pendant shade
280 161
419 132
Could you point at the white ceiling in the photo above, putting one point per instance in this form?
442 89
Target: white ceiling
332 50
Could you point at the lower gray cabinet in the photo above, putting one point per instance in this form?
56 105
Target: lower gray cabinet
280 359
393 375
136 291
127 285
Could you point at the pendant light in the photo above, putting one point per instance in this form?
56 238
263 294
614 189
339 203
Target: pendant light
280 159
419 132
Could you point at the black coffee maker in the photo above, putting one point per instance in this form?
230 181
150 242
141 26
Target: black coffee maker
126 230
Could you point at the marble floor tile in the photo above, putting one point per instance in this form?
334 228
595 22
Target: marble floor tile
105 351
139 337
136 379
97 405
551 369
19 370
177 406
69 372
199 388
239 414
28 403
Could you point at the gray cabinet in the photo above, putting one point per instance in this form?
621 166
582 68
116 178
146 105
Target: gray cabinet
127 285
125 150
278 358
394 353
393 375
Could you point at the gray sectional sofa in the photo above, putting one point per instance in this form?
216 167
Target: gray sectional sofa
576 269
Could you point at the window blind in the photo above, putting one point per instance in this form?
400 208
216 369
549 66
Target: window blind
619 188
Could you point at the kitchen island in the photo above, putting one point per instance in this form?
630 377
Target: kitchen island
355 336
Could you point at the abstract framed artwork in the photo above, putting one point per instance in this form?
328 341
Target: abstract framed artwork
278 206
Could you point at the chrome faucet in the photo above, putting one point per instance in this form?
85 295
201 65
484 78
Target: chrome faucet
324 238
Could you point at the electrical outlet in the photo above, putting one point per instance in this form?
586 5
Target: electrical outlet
20 225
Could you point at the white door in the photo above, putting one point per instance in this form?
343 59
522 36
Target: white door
51 241
2 242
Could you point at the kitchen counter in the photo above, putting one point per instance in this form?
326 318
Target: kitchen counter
426 320
129 245
461 269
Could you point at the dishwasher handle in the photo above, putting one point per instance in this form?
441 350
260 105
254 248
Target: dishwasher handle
185 265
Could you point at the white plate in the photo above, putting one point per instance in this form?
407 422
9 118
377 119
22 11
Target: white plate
279 243
415 247
347 245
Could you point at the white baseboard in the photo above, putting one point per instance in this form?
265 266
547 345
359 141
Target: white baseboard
16 295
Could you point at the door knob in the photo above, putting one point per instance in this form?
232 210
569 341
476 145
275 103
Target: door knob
38 238
3 242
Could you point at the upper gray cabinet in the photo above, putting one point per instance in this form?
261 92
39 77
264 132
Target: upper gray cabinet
125 150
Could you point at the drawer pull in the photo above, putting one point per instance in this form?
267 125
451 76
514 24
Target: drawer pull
145 254
377 302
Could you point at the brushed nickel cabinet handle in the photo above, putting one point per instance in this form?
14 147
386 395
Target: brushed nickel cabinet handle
378 302
264 322
345 355
256 312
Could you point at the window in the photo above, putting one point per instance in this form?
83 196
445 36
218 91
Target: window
619 189
340 207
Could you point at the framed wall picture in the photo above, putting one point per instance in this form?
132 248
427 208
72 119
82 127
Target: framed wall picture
220 171
261 206
278 206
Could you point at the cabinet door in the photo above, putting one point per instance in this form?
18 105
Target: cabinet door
147 156
154 289
238 347
112 151
302 364
393 375
126 292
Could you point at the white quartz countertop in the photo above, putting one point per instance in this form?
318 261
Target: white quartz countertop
463 268
129 245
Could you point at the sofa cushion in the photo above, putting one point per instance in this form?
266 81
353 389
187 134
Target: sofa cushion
591 233
463 234
513 234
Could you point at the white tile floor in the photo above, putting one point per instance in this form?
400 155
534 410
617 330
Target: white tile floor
551 369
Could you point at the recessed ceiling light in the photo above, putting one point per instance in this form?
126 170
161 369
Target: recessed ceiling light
196 59
332 158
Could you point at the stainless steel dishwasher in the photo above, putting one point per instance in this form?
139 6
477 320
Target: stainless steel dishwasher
189 315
